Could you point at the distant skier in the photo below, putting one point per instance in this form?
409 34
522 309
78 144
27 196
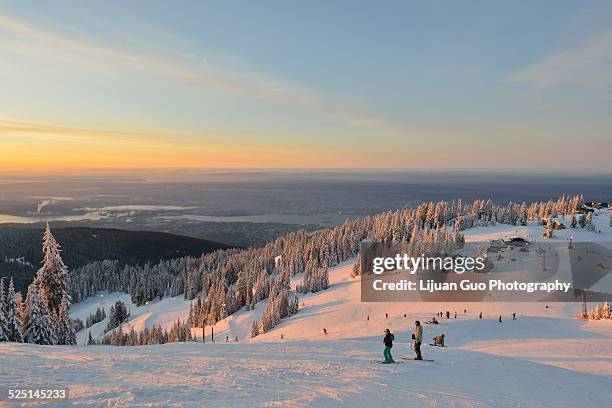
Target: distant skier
368 318
447 314
439 340
480 315
500 320
418 338
388 342
513 316
386 315
325 331
455 315
236 341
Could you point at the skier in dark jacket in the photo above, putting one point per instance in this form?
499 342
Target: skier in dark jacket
388 341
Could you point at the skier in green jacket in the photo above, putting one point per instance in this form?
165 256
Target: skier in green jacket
388 341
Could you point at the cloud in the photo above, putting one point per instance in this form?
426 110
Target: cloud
587 65
56 133
35 41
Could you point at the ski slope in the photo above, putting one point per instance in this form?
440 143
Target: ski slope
545 358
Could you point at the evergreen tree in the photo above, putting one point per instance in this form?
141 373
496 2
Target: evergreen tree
13 315
254 329
582 220
574 222
52 277
549 231
90 340
65 328
3 322
40 328
589 226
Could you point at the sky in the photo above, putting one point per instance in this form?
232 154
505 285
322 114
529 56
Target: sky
316 84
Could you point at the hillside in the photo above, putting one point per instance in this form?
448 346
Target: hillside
546 358
20 248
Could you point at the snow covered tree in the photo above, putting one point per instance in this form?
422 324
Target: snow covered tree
52 277
65 332
118 314
606 312
90 340
12 315
589 226
574 222
549 230
3 322
254 329
39 328
582 220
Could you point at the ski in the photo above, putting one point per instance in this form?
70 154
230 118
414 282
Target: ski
412 359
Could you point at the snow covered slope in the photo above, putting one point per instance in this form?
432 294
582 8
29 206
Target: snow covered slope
546 358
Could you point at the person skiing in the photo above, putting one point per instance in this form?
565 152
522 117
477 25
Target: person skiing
500 320
480 315
388 342
447 314
418 338
513 316
439 340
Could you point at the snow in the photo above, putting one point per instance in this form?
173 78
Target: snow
545 358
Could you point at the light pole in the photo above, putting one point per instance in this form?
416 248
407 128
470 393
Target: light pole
147 304
570 245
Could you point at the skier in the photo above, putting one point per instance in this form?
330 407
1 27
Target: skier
513 316
447 314
325 331
439 340
386 315
388 342
480 315
500 320
418 338
455 315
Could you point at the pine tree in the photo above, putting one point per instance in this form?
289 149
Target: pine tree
589 226
65 328
549 231
40 328
52 277
254 329
3 322
574 222
90 340
13 315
